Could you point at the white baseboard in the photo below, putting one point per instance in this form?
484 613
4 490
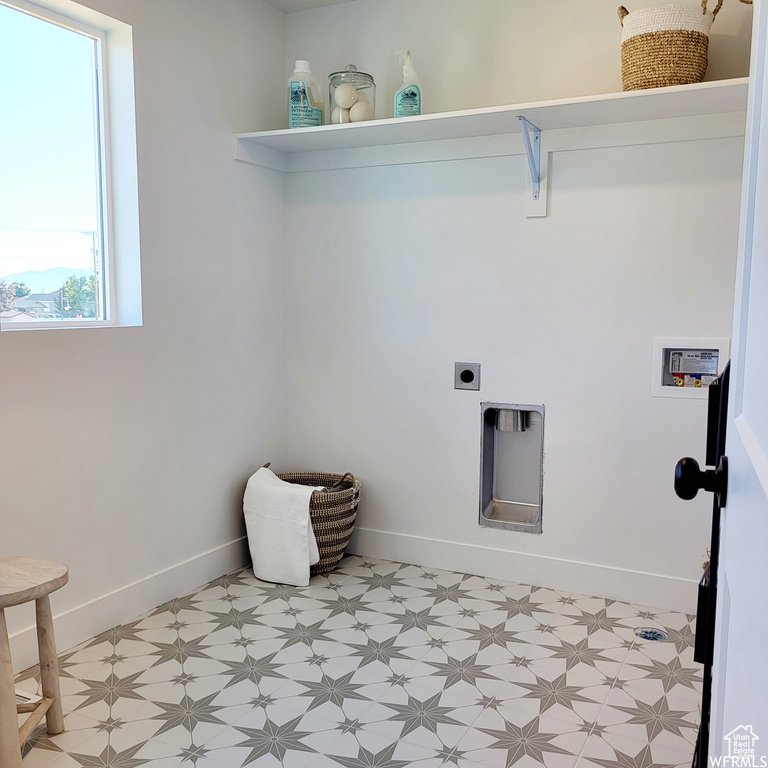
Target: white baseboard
668 592
84 621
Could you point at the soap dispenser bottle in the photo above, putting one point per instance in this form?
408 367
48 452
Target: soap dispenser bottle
408 98
305 98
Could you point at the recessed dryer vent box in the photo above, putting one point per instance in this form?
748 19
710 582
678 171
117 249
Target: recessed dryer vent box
685 367
511 466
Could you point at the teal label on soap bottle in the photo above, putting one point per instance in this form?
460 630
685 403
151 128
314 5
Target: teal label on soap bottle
302 114
408 101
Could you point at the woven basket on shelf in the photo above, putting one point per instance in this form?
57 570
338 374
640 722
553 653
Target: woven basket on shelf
332 512
665 45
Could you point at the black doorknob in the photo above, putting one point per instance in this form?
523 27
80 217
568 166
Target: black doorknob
689 479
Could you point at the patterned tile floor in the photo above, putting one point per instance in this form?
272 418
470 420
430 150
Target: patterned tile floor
378 665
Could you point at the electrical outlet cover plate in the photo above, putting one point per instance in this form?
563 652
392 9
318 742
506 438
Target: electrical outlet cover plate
466 376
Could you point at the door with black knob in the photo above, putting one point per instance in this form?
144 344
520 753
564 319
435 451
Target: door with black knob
689 480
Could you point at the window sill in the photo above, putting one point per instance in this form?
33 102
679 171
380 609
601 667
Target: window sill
59 325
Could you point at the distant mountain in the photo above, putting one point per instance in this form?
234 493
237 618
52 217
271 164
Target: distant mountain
46 280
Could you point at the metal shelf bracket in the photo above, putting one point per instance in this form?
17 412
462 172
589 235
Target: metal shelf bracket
533 152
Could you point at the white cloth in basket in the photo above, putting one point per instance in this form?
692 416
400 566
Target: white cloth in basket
280 534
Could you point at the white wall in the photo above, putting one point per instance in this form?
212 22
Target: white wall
479 53
125 451
394 273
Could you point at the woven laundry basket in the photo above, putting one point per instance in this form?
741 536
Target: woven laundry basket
332 512
665 45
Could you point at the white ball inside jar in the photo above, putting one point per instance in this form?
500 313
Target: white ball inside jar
339 115
345 96
360 112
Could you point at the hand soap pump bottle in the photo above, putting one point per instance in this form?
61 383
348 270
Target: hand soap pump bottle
305 98
408 98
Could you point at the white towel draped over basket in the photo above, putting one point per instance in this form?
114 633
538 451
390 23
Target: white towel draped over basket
280 534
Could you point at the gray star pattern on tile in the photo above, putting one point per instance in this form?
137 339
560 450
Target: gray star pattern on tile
244 642
373 650
682 638
551 692
262 700
594 622
335 691
273 739
350 726
175 606
522 606
468 670
413 619
234 579
193 753
111 689
657 717
577 653
40 740
251 669
488 636
188 713
366 759
380 581
317 660
110 724
233 618
304 635
67 667
671 674
333 685
348 605
451 593
490 702
282 592
526 740
113 658
421 714
109 758
180 650
592 727
183 678
643 759
128 631
452 755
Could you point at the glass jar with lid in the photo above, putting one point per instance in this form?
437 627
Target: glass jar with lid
352 96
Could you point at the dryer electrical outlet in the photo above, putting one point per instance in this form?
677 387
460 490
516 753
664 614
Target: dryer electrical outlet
466 376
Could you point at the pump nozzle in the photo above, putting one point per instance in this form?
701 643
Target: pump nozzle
409 73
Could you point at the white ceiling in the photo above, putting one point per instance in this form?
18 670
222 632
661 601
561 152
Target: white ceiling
289 6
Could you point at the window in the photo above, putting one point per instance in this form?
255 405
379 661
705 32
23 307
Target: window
68 186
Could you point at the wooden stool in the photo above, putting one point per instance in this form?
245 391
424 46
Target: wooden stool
21 580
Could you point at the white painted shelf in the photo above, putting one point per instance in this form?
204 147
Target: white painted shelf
700 99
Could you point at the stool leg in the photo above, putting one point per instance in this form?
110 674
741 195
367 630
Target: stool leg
49 666
10 747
